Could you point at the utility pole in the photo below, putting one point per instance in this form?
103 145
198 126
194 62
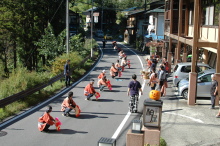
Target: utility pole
67 26
92 30
102 16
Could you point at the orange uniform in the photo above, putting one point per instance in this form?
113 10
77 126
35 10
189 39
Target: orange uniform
67 103
101 75
45 119
89 89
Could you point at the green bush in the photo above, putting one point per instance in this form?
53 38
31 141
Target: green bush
21 79
162 143
57 66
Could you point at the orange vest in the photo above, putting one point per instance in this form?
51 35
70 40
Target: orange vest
89 89
101 75
67 103
45 119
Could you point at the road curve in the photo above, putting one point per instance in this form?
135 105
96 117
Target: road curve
102 118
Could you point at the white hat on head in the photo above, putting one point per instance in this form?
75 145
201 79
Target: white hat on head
103 71
212 75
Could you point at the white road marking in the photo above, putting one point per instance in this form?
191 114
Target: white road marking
191 118
57 95
115 135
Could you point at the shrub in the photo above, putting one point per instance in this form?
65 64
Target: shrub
59 62
21 79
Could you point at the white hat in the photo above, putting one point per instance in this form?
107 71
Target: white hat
103 71
212 75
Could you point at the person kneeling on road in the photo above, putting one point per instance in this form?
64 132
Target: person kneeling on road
89 90
68 104
46 120
113 71
102 83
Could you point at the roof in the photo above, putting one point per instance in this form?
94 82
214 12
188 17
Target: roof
130 9
135 12
156 11
94 8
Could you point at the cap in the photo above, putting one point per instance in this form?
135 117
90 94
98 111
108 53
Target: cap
103 71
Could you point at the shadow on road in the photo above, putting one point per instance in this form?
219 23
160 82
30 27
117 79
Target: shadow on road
107 100
84 116
66 131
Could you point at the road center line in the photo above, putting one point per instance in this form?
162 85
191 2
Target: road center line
115 135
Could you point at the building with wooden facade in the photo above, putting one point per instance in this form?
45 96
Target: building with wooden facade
192 27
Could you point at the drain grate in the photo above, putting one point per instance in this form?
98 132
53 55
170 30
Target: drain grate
3 133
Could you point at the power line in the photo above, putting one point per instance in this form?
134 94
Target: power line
56 11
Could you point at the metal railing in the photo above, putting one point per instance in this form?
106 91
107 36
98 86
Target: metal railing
22 94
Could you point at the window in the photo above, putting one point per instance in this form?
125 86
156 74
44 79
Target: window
202 68
186 69
211 10
191 17
175 68
206 78
208 15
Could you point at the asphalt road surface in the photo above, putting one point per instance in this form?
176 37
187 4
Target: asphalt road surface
108 117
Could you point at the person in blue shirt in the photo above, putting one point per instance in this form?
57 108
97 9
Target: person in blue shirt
134 87
133 91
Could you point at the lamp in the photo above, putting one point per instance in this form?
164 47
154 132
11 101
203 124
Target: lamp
136 126
103 141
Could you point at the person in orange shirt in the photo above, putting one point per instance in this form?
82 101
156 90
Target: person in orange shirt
102 83
101 75
89 90
148 63
46 120
113 71
68 104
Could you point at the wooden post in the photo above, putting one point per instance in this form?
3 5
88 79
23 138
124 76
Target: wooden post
179 29
217 64
170 39
186 30
193 74
184 54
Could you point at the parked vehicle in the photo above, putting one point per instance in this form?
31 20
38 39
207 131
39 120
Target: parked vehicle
181 71
204 83
99 33
108 37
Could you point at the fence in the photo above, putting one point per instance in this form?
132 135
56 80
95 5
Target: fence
22 94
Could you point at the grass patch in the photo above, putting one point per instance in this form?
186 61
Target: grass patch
162 143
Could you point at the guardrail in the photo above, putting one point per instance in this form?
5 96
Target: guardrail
22 94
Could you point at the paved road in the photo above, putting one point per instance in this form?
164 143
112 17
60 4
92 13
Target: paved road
98 118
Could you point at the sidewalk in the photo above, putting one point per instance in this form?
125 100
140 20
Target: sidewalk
184 125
